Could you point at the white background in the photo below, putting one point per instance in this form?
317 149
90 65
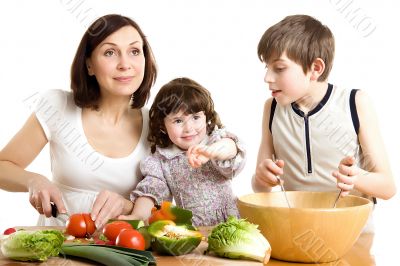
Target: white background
213 42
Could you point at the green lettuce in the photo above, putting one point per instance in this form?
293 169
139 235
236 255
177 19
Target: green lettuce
239 239
27 245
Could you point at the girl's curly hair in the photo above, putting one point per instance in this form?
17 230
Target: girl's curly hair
180 94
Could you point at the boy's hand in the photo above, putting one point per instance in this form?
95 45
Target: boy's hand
267 171
346 175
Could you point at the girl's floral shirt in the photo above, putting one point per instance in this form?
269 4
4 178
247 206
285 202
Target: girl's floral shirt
206 191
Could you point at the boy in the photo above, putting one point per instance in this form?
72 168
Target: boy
325 137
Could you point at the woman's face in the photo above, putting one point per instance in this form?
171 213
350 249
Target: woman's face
118 63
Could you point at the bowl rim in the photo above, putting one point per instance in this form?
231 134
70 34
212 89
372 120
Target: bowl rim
368 203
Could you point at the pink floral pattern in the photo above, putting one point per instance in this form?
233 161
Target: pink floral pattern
206 191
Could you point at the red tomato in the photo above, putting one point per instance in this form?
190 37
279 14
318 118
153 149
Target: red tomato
9 231
112 230
80 225
130 238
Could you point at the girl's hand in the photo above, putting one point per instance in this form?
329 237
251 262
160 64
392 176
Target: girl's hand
267 171
347 175
42 192
223 149
130 217
107 205
199 155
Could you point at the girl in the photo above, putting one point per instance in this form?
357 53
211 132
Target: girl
193 158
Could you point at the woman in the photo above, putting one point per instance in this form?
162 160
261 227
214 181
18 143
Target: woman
97 132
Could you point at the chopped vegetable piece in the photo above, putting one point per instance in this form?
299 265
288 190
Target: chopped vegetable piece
172 239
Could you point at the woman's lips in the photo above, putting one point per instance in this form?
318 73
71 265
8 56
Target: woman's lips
124 79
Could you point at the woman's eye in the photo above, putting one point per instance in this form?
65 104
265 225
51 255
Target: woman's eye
195 117
178 121
279 69
136 52
109 53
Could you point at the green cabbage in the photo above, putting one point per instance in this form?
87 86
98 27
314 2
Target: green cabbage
32 245
239 239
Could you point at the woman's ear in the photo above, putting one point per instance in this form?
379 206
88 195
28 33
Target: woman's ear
89 67
317 68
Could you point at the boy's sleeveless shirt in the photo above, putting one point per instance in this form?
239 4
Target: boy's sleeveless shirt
313 144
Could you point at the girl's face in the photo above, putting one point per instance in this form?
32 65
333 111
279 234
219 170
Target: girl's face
286 80
118 62
186 130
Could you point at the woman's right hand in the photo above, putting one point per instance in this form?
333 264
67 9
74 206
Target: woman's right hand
41 192
267 172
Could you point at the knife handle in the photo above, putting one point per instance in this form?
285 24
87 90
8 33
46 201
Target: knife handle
54 210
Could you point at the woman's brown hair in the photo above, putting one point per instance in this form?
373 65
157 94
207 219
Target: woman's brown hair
303 38
181 94
85 88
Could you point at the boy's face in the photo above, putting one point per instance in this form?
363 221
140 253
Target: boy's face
185 130
286 80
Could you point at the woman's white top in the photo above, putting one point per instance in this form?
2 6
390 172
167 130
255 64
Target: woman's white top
79 171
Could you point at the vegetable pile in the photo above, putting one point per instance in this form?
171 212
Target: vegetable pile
239 239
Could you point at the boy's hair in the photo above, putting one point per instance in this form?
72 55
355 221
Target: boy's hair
303 38
181 94
85 88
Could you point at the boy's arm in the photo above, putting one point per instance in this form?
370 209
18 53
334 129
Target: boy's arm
265 152
377 181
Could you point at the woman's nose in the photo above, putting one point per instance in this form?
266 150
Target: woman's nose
124 62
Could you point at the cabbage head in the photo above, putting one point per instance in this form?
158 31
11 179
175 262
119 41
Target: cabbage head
239 239
27 245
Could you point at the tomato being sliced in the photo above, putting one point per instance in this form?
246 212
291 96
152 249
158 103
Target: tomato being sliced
112 230
131 238
80 225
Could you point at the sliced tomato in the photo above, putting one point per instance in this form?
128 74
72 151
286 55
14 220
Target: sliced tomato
80 225
112 230
90 225
131 238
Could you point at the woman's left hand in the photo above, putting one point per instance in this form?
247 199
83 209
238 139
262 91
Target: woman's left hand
346 175
108 205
